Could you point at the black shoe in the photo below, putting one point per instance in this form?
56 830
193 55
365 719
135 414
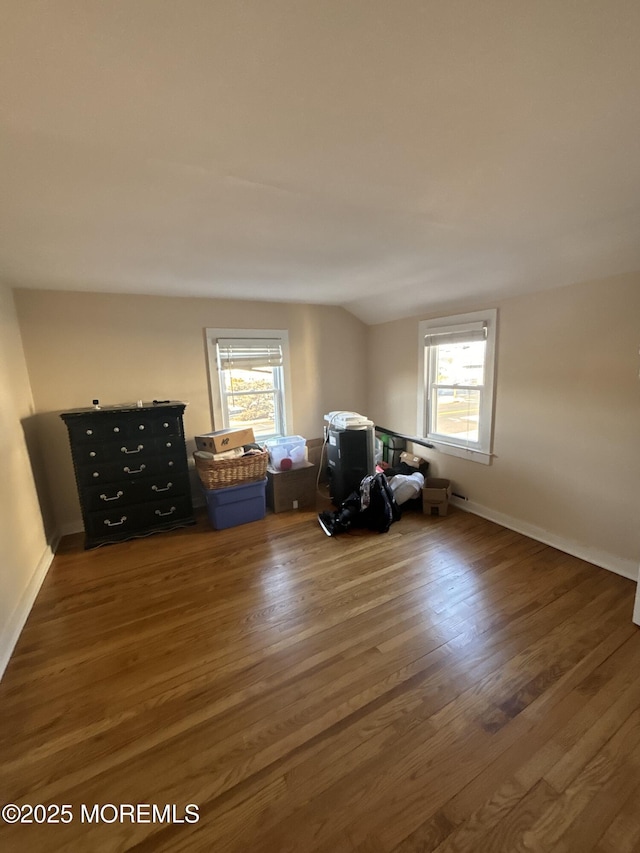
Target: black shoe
325 519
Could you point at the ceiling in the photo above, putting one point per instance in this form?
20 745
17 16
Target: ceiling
396 158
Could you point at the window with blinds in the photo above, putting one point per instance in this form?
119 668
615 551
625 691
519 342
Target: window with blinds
250 375
458 356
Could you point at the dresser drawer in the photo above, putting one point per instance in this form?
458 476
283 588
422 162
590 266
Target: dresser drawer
121 522
93 453
168 510
161 487
96 430
127 471
147 425
122 472
169 444
131 427
109 496
112 496
168 424
137 518
138 448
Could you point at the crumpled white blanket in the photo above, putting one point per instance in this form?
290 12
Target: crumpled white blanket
406 486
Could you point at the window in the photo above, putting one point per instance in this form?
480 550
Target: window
248 373
456 383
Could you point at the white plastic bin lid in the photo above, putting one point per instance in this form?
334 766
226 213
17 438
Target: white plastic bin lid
285 441
348 420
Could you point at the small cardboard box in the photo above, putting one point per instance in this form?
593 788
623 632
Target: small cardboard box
435 496
225 439
294 489
411 459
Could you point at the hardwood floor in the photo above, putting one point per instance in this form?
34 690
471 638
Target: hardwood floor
447 686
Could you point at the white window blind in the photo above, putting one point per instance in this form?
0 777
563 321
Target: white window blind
461 333
244 354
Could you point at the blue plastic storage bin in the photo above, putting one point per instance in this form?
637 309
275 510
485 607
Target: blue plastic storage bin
236 504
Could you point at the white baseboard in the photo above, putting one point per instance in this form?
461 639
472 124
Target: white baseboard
11 632
619 565
636 608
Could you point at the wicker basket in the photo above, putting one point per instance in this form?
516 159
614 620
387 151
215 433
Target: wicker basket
221 473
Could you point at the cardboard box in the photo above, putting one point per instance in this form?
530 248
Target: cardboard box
435 496
225 439
315 447
411 459
294 489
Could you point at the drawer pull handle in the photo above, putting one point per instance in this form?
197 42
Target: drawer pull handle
115 523
171 511
165 489
95 474
116 429
137 450
92 454
116 497
141 426
165 425
89 432
128 470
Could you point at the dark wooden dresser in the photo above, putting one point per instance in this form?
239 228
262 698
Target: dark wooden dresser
131 470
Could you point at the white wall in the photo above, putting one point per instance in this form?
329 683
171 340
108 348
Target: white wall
25 554
566 468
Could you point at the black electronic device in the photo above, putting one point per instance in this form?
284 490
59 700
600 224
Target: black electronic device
350 457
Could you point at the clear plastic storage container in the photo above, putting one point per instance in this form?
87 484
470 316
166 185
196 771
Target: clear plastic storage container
287 452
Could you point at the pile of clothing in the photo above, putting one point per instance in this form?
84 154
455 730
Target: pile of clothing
406 482
376 505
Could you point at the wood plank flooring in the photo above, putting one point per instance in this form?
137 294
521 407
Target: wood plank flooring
447 686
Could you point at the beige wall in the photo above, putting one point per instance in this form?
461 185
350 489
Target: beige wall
119 348
567 419
566 463
24 552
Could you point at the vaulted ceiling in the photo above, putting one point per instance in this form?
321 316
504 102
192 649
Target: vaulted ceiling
392 157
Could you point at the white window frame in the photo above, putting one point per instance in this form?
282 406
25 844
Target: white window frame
480 451
218 414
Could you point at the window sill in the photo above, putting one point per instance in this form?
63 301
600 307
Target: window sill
470 453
